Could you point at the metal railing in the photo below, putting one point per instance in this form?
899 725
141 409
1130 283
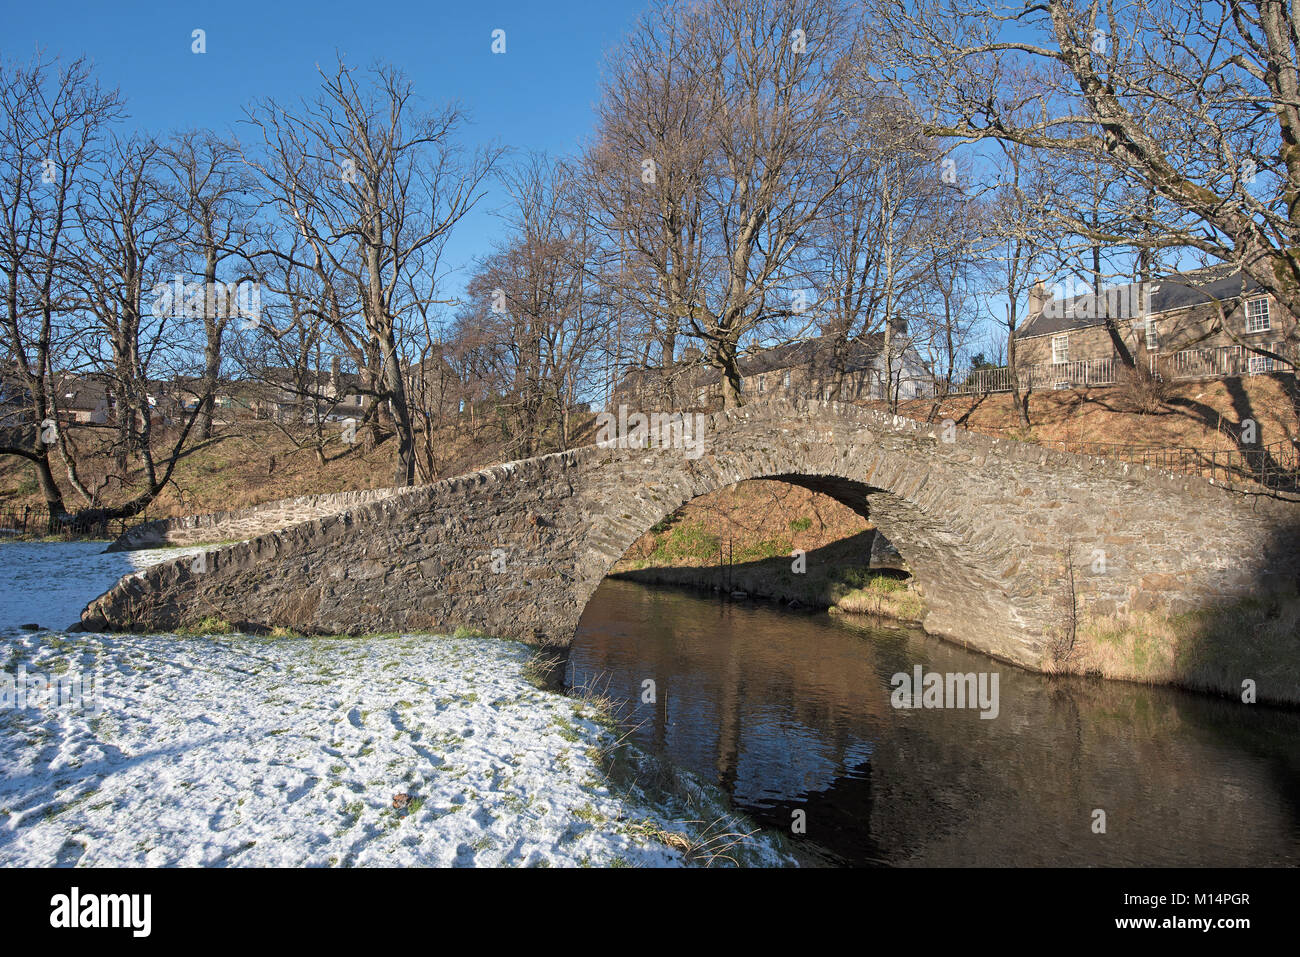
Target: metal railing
1219 362
1208 363
39 522
1275 466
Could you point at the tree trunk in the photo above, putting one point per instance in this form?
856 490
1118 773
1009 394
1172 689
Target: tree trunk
1018 401
725 360
49 488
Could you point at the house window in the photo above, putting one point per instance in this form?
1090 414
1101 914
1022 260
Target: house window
1257 315
1260 364
762 384
1060 349
785 379
1153 336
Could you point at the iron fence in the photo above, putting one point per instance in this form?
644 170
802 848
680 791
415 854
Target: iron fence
39 522
1209 363
1274 467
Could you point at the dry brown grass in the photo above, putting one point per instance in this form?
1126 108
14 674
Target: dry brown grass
1214 650
1188 414
251 463
749 513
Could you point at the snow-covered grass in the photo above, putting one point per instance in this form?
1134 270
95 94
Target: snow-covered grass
240 750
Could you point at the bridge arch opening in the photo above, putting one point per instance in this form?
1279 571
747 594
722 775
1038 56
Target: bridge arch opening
961 575
802 539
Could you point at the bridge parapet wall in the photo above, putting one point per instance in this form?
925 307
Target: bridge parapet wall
244 523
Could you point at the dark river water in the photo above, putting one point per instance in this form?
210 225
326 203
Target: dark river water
788 711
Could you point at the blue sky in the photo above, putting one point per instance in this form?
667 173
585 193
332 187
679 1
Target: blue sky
536 96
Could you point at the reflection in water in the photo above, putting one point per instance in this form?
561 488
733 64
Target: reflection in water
791 710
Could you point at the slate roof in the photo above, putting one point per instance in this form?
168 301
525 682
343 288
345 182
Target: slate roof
816 353
81 393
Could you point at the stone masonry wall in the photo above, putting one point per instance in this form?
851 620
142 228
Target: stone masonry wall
1189 327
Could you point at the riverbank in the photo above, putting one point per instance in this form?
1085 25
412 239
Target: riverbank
1215 651
392 750
1245 651
836 576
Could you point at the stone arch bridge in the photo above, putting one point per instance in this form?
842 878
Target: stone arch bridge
1006 540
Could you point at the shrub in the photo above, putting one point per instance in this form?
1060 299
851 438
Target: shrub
1146 392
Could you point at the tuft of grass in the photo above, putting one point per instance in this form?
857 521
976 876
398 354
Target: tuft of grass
209 625
867 594
767 548
685 542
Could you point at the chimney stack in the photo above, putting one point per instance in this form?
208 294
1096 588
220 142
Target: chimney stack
1039 297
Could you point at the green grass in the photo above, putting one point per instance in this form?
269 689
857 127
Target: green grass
768 548
685 542
209 625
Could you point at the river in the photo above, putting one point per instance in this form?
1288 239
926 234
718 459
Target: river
791 712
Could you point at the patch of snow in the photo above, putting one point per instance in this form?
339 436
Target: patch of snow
237 750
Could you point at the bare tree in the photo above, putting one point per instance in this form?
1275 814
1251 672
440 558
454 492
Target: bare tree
53 118
128 242
750 163
647 170
1193 103
127 239
878 239
210 187
282 358
537 302
948 301
374 186
1015 241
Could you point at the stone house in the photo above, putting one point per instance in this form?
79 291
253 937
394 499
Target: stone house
286 395
92 400
801 369
434 386
1171 324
